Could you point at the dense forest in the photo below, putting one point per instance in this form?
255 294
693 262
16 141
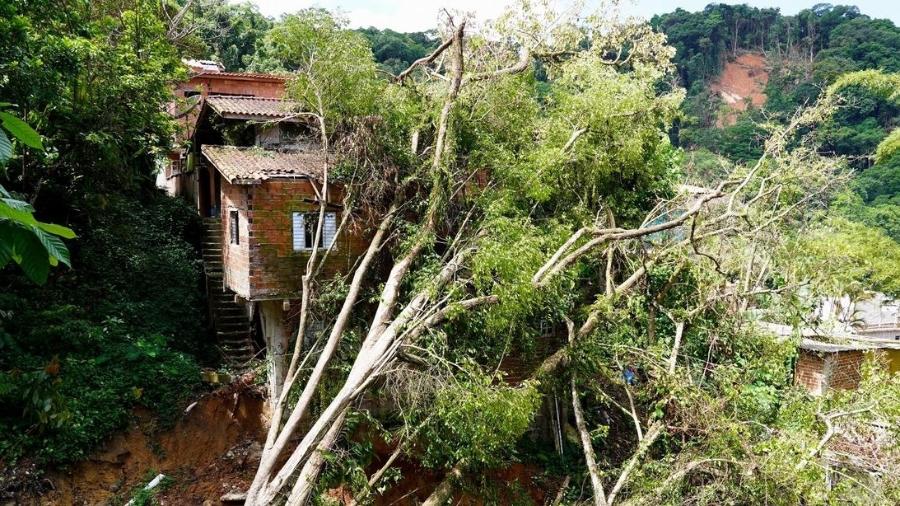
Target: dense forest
631 302
807 52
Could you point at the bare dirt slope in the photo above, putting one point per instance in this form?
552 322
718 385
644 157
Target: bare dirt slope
209 452
741 85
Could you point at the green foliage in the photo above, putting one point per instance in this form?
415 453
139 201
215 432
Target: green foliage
475 422
80 351
142 496
395 51
20 131
857 44
704 39
229 33
334 73
112 332
34 245
845 257
91 77
888 147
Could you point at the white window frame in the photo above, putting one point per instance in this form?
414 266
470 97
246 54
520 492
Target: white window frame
298 230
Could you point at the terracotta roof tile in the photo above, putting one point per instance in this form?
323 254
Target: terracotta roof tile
251 107
252 165
249 76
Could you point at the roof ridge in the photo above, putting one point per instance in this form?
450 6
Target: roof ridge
242 74
248 97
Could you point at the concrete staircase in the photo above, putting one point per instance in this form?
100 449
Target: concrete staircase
228 317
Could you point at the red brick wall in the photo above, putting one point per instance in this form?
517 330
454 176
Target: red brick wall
265 265
236 257
818 371
845 370
232 85
809 372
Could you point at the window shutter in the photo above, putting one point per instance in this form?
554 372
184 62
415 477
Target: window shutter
299 232
329 230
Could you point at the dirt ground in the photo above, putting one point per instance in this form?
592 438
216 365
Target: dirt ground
209 452
741 84
215 448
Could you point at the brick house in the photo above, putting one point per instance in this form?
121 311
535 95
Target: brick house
822 366
253 169
831 358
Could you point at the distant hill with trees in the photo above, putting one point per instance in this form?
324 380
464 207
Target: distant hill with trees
805 53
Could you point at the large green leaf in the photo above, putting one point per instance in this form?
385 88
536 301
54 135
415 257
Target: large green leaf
26 250
5 148
16 215
53 228
19 205
21 131
54 246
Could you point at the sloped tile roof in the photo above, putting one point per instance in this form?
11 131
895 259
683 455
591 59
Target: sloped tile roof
264 109
252 165
246 76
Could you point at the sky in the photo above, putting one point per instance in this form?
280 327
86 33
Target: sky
418 15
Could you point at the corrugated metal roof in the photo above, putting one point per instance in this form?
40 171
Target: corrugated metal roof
234 107
252 165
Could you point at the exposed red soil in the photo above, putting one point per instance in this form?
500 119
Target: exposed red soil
513 484
209 452
215 448
741 85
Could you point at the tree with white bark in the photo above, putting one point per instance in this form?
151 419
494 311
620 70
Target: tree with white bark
520 175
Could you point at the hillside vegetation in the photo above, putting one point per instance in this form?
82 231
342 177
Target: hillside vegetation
804 54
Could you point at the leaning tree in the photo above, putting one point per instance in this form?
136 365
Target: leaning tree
516 179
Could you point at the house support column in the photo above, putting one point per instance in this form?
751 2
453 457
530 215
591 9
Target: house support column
277 341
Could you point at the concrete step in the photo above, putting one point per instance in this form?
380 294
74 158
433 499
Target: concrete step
228 334
229 309
233 317
236 347
233 324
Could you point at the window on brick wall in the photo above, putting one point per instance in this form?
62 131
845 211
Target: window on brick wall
304 230
234 231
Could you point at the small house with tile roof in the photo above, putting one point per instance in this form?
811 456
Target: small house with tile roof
831 358
253 168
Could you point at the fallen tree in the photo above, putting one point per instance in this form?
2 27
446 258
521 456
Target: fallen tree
514 201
